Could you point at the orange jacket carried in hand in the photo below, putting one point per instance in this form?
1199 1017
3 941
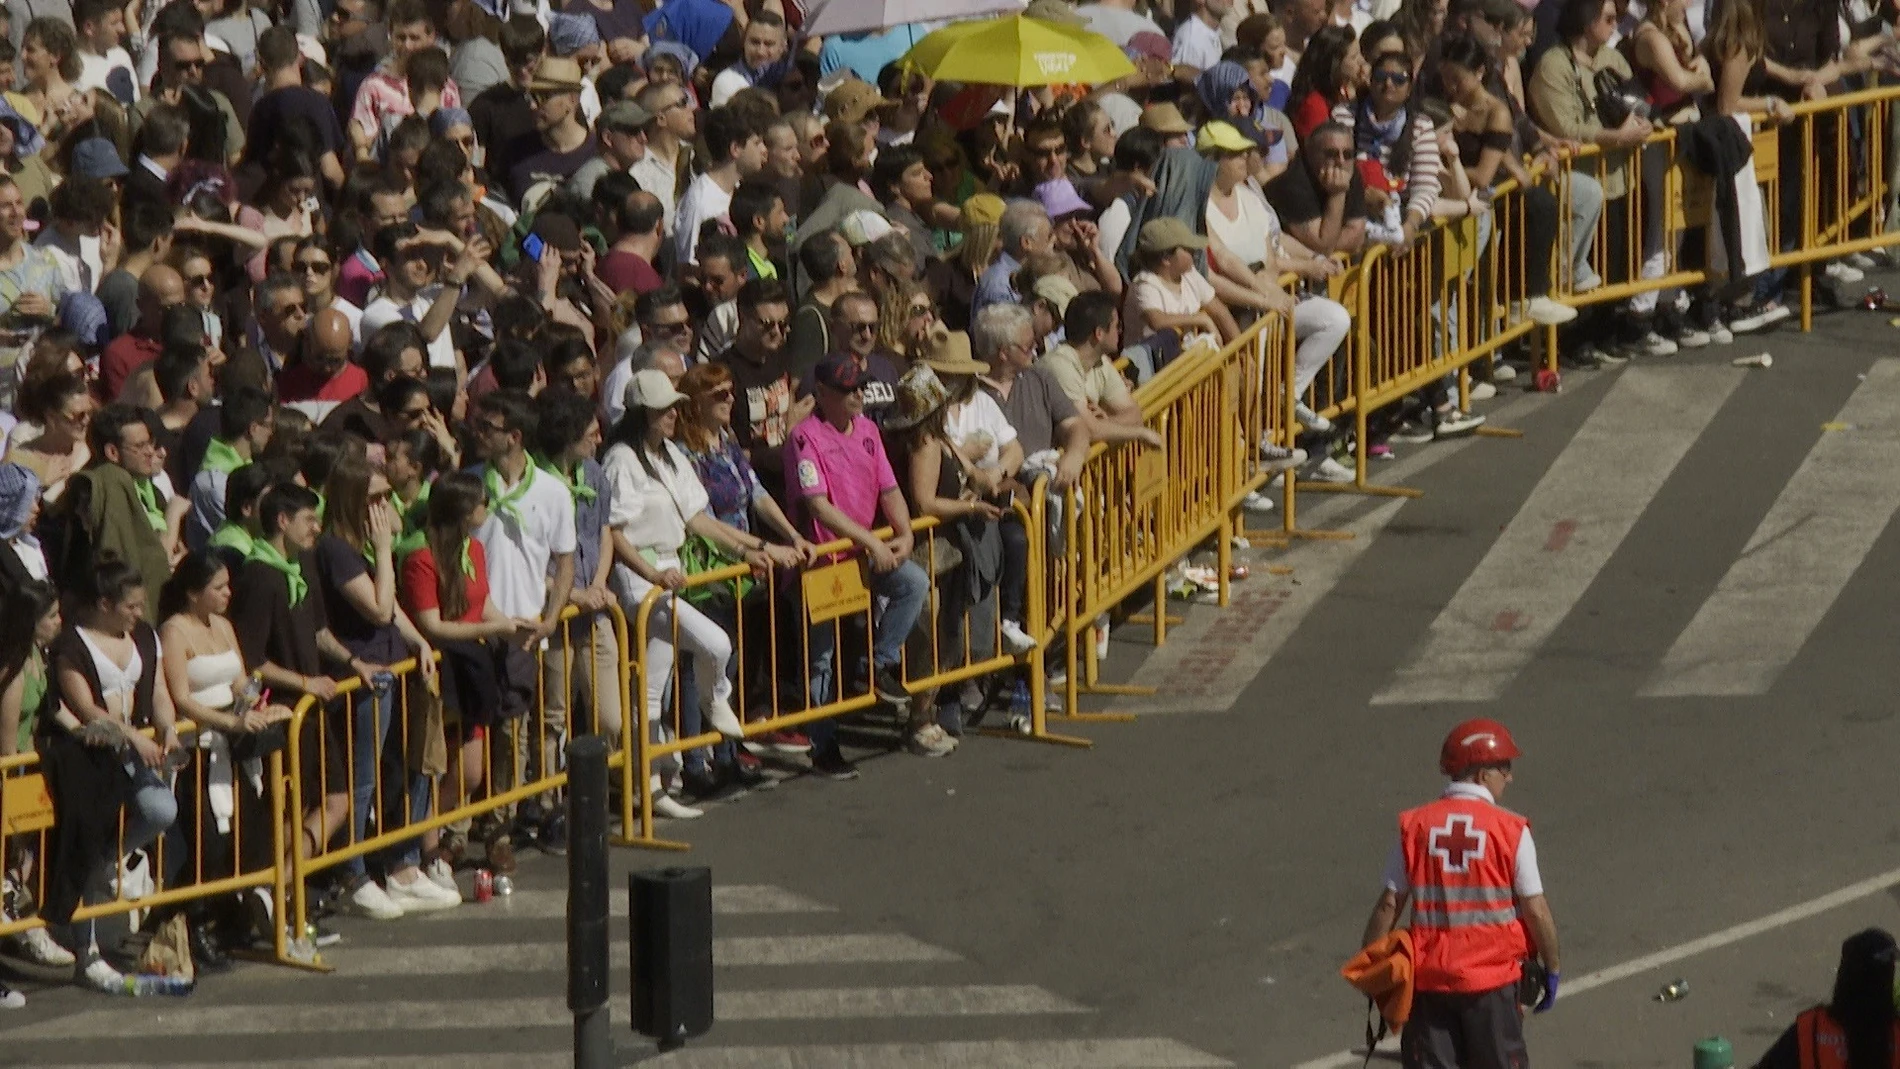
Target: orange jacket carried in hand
1383 973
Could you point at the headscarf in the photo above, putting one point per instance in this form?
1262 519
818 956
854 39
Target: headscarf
19 488
1216 86
446 119
27 140
568 34
688 59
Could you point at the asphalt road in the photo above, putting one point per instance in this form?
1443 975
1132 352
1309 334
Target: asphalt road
1680 600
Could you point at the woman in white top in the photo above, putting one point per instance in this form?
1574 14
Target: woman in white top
658 502
204 671
107 667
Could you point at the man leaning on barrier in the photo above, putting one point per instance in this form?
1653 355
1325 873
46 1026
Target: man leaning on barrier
843 479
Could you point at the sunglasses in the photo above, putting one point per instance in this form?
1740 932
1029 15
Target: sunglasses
723 393
922 310
684 326
869 327
188 64
313 267
292 311
771 326
1390 78
198 280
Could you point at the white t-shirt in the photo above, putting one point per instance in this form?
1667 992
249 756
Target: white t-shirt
1112 227
1150 292
705 199
729 82
1117 24
1247 234
652 513
94 69
383 311
657 177
980 415
522 548
354 315
1196 44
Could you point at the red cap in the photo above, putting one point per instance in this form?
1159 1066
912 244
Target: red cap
1475 743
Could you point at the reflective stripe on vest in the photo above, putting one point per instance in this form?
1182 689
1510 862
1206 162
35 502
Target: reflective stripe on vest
1460 859
1823 1045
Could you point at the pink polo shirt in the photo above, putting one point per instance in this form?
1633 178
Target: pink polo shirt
849 468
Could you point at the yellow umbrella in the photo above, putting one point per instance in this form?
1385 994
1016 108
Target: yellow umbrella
1019 51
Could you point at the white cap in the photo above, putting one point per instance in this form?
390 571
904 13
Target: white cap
864 226
652 389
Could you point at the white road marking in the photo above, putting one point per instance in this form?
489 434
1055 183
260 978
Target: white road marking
730 900
160 1018
1794 914
1801 556
552 957
1569 527
995 1054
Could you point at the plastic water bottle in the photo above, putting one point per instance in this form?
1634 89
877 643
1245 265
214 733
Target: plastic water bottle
141 986
1019 718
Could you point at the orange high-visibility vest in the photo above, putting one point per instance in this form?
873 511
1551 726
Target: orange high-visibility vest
1461 858
1823 1045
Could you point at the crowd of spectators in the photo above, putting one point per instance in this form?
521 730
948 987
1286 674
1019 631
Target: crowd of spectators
336 333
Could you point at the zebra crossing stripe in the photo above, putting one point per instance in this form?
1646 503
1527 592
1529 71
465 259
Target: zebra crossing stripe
733 952
1567 530
734 900
1795 565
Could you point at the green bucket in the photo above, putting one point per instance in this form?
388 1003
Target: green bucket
1714 1053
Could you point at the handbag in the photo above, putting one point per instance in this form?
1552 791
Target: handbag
698 554
1617 99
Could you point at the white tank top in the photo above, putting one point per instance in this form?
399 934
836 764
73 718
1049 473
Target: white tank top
117 685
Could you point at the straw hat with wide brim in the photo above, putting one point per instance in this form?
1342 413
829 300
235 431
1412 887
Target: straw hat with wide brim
556 74
948 353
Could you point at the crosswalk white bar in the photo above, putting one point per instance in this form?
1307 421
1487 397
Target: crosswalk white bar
734 952
1800 558
1047 1054
735 900
995 1054
160 1019
1553 549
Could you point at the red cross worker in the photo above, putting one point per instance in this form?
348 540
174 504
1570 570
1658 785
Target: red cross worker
1468 869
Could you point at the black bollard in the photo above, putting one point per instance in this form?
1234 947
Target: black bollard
587 902
670 929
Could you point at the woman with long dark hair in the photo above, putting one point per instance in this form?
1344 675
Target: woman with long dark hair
356 568
107 667
1330 75
27 696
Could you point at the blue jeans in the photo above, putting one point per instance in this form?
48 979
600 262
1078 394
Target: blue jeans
372 710
902 592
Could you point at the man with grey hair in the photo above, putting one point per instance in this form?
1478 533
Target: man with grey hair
1023 230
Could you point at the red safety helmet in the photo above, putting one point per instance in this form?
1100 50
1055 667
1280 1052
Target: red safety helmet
1474 743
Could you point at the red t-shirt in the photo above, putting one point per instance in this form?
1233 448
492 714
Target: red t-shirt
299 382
419 583
623 271
1309 112
123 356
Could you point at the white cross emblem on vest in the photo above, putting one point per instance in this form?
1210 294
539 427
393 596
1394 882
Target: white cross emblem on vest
1457 845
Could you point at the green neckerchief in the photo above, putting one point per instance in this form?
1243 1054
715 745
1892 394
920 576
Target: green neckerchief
320 503
761 264
504 502
148 496
222 458
233 536
412 537
468 561
264 552
576 483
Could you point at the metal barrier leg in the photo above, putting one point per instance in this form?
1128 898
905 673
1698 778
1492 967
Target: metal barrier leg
1038 711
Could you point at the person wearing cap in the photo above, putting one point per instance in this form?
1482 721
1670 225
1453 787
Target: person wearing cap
1468 867
1165 119
286 100
22 560
1169 295
842 484
1075 238
561 142
735 150
1321 200
622 135
384 95
1859 1024
761 62
978 229
854 101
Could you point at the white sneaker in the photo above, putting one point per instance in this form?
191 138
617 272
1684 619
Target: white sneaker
970 698
1692 338
421 895
37 945
1503 372
1312 420
100 976
370 900
1721 335
665 805
1257 502
11 999
1861 260
1586 280
930 741
1548 313
1481 391
1767 315
1329 470
1279 456
1016 640
1654 344
1841 272
718 715
440 874
1456 424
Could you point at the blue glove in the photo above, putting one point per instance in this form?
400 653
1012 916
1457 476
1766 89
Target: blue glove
1550 993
